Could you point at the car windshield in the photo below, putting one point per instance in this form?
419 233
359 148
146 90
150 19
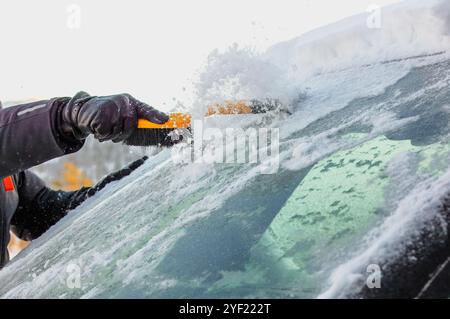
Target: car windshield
335 202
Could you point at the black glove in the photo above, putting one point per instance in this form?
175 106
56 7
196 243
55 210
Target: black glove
107 117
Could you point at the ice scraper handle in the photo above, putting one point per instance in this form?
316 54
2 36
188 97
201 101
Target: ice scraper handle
176 120
149 133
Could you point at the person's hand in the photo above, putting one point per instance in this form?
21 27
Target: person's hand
106 117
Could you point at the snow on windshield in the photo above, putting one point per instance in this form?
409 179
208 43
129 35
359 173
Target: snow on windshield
363 160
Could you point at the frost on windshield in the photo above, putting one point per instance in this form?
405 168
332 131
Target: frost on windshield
363 162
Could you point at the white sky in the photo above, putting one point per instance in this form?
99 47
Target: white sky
151 49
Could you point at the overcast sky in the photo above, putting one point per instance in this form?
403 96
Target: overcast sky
151 49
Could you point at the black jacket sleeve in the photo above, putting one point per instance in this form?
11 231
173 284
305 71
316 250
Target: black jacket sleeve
29 135
41 207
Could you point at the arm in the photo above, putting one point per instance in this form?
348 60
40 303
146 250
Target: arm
34 133
29 136
41 207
